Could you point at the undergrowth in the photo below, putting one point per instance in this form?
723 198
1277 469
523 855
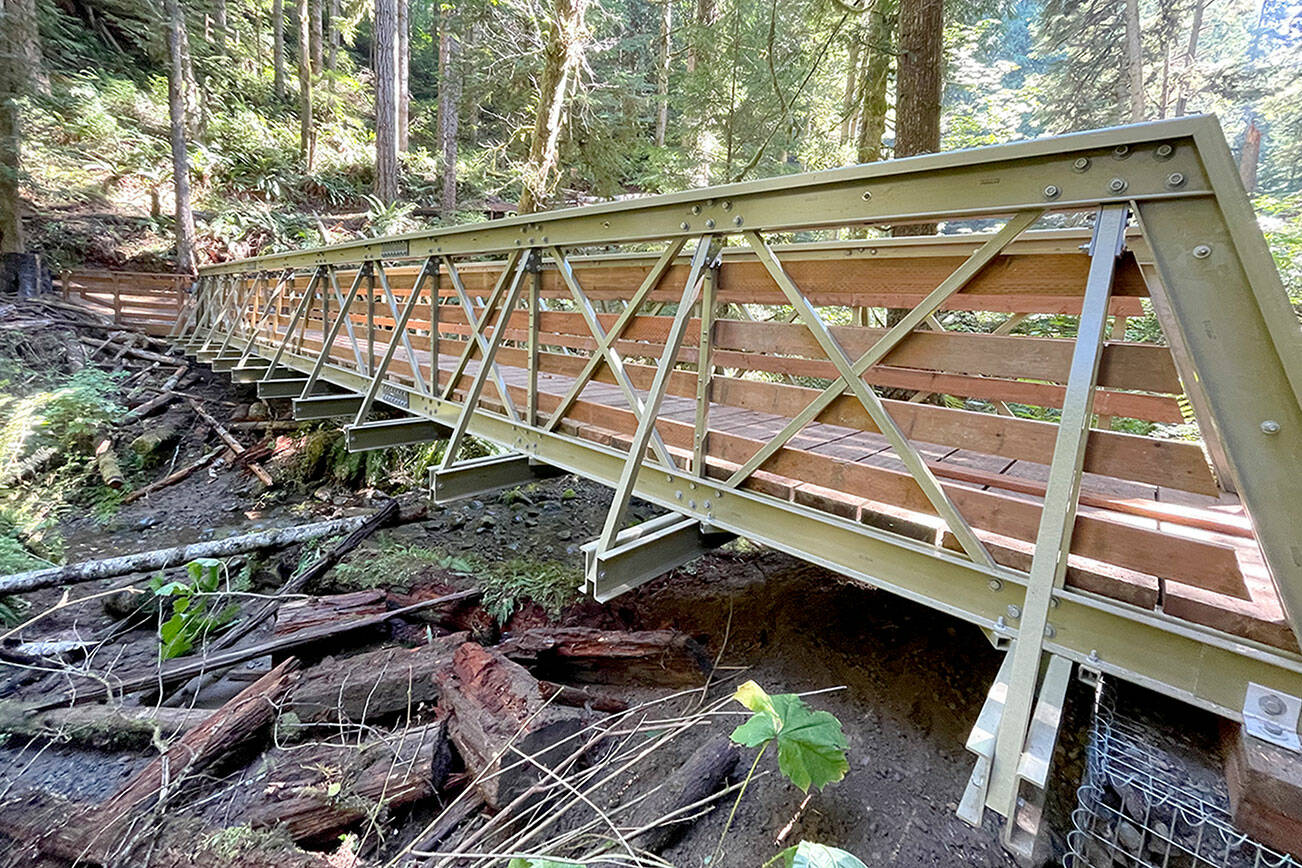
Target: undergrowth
507 585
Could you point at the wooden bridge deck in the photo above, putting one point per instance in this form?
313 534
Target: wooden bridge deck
1189 555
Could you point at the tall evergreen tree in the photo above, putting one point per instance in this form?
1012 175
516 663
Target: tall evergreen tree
386 100
185 260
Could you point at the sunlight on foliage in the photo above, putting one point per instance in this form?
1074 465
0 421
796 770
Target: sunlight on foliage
811 746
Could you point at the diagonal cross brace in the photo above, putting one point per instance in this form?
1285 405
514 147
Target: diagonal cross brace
400 324
929 305
655 397
348 321
299 310
486 364
401 330
904 450
328 344
613 359
649 283
477 326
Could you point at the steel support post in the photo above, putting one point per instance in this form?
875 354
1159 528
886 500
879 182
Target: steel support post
644 552
704 372
701 260
400 324
311 407
299 310
531 347
1058 517
328 341
479 476
393 432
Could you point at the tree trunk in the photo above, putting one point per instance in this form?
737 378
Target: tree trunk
1249 156
332 36
316 37
663 49
449 108
219 24
695 120
278 47
1190 55
876 77
11 90
307 130
27 41
562 58
180 160
1134 62
848 100
386 100
918 88
404 72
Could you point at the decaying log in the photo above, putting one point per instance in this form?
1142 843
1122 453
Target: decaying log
315 793
499 716
160 559
98 726
183 670
229 439
95 834
587 654
705 773
106 460
389 513
153 405
581 697
295 615
375 686
174 477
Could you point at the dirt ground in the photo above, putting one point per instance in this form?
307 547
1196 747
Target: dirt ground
906 682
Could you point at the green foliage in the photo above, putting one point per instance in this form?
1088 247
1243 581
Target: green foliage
522 862
807 854
811 746
197 612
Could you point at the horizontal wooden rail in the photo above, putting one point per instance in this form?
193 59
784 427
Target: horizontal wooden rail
150 302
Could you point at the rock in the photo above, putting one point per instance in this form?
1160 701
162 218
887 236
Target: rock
240 413
154 444
259 412
1129 838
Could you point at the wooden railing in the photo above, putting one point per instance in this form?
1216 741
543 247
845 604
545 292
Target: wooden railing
141 300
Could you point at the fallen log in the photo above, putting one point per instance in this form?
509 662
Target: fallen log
96 834
302 614
106 461
145 562
587 654
178 672
581 697
98 726
229 439
390 513
704 774
316 793
174 477
375 686
498 715
148 407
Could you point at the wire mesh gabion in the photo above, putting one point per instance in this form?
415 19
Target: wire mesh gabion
1141 805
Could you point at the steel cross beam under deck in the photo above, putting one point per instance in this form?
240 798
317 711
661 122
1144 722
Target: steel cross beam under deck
1215 291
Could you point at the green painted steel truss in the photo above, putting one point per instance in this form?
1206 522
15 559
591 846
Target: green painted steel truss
1218 296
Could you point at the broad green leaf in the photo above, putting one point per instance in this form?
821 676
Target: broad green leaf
811 745
807 854
171 588
541 863
332 789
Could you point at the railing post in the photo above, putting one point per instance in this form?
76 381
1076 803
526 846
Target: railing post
370 323
535 294
704 370
435 287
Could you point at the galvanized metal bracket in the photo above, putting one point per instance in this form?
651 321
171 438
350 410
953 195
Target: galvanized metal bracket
410 431
281 387
326 407
483 475
1273 716
645 552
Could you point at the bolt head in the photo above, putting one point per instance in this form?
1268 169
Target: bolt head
1175 179
1121 152
1202 251
1049 632
696 209
1118 185
1014 612
684 225
1081 164
867 194
995 584
727 206
1270 426
736 221
1164 151
691 504
1052 192
1271 704
709 224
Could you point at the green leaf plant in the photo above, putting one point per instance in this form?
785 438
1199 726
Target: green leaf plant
192 617
811 752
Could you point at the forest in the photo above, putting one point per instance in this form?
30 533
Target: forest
155 136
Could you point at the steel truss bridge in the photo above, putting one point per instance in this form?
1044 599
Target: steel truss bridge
724 354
